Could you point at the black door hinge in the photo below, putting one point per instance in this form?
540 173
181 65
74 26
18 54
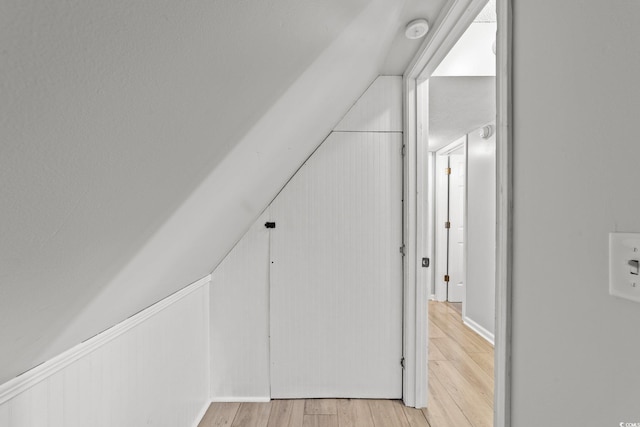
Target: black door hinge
402 362
270 224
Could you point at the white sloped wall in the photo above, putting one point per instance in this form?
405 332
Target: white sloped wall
240 285
141 139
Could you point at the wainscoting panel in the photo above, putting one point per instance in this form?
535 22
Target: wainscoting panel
151 369
240 320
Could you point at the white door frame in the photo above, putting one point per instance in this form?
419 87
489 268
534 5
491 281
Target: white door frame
455 17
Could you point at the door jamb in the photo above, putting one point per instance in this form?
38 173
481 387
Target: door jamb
450 24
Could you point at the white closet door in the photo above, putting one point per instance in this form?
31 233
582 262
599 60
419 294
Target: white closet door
336 272
457 194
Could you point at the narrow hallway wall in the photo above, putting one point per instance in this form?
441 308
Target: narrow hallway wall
479 311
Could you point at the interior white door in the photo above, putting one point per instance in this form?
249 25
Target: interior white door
441 233
457 180
336 272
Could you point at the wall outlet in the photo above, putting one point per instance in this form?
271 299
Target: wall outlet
624 261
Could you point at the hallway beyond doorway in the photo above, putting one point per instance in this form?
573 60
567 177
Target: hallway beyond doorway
460 371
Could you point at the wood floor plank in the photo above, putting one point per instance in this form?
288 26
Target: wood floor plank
484 361
448 346
354 413
434 352
456 307
456 325
435 331
442 410
322 420
280 415
470 334
415 417
297 413
387 413
477 378
320 407
459 332
437 307
219 414
471 402
463 362
252 415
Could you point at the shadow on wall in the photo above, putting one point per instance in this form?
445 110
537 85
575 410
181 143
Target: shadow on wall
118 112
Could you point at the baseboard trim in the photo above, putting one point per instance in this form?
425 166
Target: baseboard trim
240 399
25 381
479 330
201 414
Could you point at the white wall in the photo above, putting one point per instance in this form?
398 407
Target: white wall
576 176
479 307
151 369
240 319
139 143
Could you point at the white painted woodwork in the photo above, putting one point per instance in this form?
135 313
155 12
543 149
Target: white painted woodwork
445 239
239 306
430 224
504 214
240 319
151 369
456 232
442 214
379 109
336 275
479 309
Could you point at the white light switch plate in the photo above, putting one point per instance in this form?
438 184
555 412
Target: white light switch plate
624 247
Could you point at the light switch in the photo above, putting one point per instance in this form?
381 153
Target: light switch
624 265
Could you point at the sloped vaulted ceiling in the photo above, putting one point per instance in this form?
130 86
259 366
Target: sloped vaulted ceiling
139 140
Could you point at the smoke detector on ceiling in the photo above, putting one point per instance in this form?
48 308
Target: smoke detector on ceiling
416 29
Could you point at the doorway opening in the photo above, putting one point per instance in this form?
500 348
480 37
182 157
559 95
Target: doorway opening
461 117
421 216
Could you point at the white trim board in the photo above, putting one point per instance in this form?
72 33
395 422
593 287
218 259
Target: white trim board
201 414
475 327
250 399
21 383
504 212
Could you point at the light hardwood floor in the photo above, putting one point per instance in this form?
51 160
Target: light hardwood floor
460 372
460 391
